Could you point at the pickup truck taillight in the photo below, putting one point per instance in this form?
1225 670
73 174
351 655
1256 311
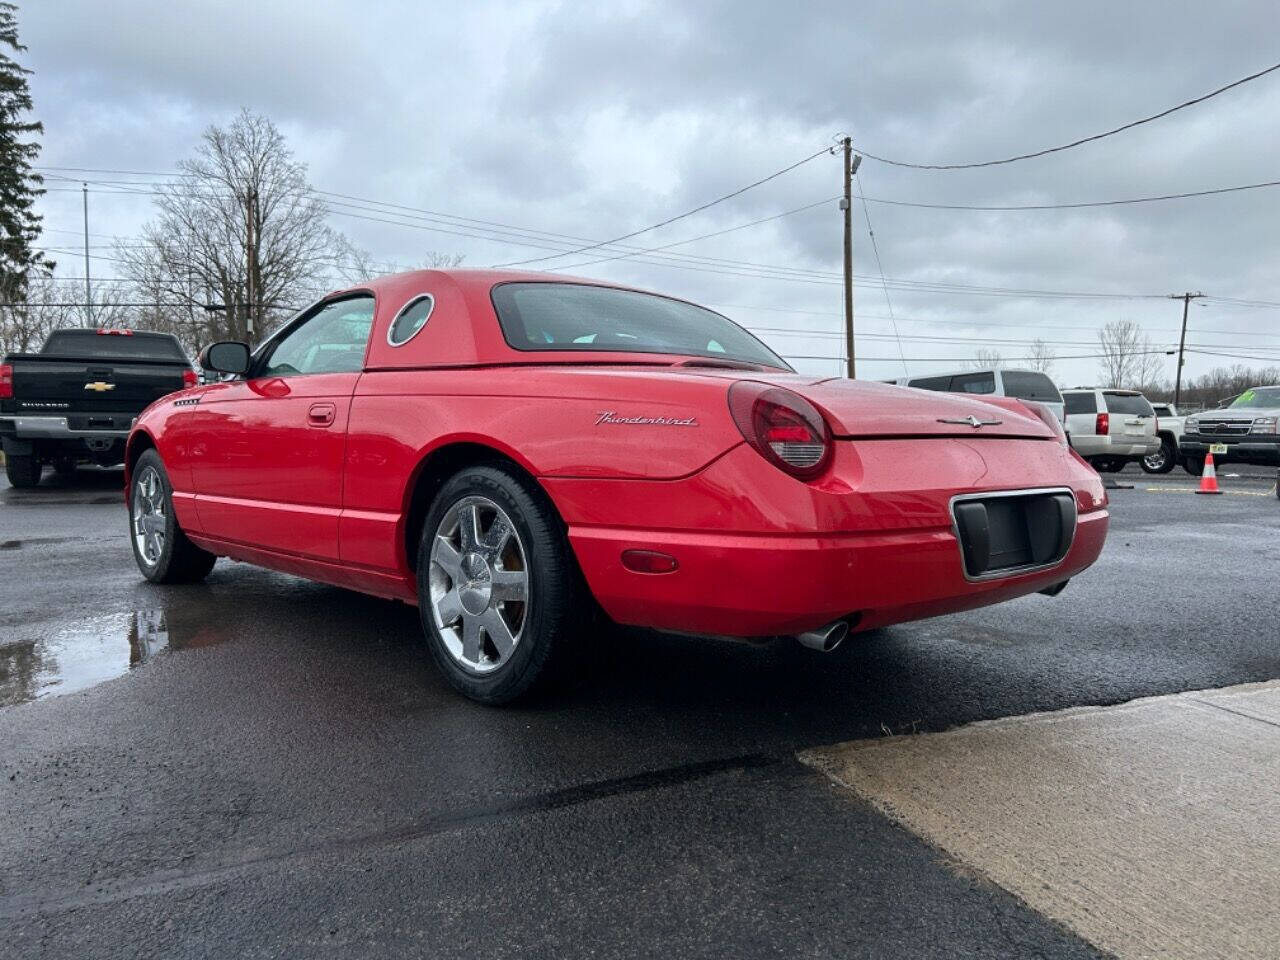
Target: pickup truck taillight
6 380
1103 425
189 378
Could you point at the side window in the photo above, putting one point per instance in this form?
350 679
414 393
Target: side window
1079 403
412 317
331 340
931 383
974 383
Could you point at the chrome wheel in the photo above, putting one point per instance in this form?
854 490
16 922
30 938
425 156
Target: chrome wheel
1155 463
148 515
479 582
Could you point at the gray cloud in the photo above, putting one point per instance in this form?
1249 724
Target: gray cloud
593 119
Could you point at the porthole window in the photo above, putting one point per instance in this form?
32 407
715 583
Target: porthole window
411 318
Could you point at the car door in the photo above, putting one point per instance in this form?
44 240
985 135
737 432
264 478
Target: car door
269 449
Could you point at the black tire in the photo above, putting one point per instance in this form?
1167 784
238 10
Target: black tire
558 604
177 559
1193 465
23 472
1163 460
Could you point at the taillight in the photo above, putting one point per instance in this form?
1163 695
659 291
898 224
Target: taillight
1103 426
189 378
784 427
112 332
6 380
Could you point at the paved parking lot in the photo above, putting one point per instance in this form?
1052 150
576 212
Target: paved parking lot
263 766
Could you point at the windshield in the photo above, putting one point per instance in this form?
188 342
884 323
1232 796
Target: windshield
1258 397
571 316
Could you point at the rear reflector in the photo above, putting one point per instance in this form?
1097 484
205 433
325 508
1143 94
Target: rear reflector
649 561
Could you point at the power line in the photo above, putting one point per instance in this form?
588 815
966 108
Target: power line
1083 140
1005 208
875 247
670 220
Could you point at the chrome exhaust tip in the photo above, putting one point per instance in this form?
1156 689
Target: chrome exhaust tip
824 639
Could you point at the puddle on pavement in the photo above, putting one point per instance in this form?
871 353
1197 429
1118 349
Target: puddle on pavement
85 653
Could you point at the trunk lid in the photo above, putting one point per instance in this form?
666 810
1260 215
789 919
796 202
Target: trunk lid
857 408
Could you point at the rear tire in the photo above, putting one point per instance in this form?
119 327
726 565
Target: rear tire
1193 465
23 472
160 548
1163 460
490 529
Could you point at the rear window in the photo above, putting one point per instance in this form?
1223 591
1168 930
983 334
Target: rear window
1029 385
1130 404
932 383
1079 403
974 383
90 345
580 317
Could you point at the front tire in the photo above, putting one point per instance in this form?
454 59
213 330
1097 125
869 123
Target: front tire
23 472
1163 460
160 548
499 592
1193 465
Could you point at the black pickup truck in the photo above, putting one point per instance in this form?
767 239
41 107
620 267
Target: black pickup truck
76 399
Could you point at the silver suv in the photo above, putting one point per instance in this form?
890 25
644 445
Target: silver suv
1110 428
1248 431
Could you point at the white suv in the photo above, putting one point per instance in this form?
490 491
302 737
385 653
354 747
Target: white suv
1110 428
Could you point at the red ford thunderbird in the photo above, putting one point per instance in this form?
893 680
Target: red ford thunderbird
512 452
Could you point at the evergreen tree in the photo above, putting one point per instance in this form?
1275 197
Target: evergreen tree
19 185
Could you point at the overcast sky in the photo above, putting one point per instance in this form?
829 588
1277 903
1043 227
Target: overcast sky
591 120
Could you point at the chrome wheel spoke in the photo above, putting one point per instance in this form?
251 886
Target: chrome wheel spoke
509 585
498 632
469 527
471 639
444 554
449 608
495 539
149 516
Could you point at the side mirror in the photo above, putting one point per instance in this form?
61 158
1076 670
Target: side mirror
226 356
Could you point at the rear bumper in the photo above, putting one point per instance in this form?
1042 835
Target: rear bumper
1088 445
1239 450
52 428
761 554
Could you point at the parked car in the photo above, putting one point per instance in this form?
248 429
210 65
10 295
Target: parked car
513 451
1022 384
1169 432
1244 432
76 399
1110 428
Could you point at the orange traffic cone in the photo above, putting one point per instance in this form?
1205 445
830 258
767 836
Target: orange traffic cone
1209 477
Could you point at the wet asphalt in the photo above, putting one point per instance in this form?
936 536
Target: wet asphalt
261 766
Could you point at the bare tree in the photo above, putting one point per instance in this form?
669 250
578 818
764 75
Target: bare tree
359 266
1123 344
241 228
986 359
53 304
1041 356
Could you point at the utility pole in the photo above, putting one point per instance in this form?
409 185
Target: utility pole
851 162
1186 299
88 290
